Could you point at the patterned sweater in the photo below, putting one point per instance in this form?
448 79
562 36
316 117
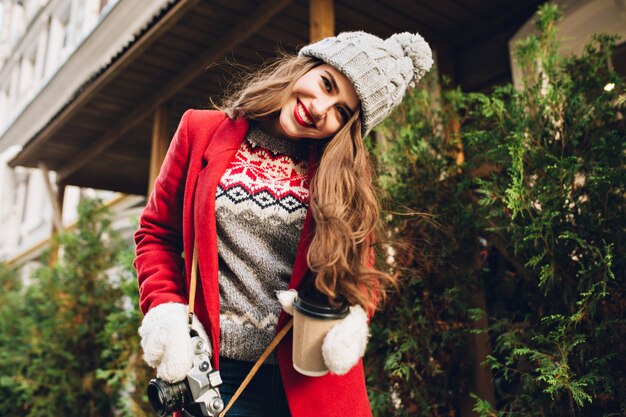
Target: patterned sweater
261 203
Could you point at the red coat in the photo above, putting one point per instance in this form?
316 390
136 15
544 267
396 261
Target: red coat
183 203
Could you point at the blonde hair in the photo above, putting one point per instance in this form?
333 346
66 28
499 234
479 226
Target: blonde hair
261 94
342 198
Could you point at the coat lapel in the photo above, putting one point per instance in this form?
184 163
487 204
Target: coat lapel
215 160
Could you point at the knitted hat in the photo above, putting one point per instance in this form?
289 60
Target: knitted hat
380 70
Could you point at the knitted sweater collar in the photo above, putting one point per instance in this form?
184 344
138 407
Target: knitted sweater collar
296 149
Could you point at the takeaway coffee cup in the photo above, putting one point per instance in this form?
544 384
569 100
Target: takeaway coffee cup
312 318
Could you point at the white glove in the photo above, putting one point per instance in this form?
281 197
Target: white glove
166 342
286 299
345 342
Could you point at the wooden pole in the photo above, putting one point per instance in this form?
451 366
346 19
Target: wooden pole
445 56
160 143
321 19
56 199
481 380
57 216
54 246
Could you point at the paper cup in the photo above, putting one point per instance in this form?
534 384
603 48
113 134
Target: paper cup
312 319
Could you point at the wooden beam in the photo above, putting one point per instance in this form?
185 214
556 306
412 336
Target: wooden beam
481 378
61 198
54 245
321 19
242 31
57 215
153 34
160 142
445 60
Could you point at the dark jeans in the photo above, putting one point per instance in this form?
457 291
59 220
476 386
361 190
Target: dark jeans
263 397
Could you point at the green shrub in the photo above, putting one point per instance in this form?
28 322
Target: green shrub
66 334
533 220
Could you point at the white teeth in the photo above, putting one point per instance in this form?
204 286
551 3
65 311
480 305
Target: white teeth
303 115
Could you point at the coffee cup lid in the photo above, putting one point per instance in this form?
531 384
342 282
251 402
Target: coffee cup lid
315 304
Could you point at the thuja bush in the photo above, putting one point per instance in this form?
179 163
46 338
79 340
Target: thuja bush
415 359
559 201
125 371
68 344
520 192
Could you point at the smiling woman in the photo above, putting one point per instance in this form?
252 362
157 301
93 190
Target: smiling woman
321 102
274 191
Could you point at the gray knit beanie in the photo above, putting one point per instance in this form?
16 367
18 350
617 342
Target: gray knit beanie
380 70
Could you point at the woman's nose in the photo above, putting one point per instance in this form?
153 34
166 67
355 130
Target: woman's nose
320 106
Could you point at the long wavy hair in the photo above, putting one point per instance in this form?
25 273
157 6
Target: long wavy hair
342 198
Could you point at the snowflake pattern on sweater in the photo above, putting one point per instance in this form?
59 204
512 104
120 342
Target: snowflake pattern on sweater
276 184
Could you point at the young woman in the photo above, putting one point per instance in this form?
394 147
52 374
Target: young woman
272 188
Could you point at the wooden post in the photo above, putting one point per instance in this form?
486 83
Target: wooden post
60 195
160 143
481 380
321 19
56 199
446 65
57 216
54 247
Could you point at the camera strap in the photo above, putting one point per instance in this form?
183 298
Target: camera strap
279 336
192 284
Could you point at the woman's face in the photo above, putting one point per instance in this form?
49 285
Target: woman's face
321 102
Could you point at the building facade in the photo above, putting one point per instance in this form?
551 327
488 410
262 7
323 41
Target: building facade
37 38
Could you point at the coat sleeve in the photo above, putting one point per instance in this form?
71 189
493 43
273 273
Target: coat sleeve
159 239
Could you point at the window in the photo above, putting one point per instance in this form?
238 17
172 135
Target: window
64 18
27 69
58 42
36 206
4 102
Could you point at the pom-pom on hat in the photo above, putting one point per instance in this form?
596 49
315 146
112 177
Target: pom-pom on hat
380 70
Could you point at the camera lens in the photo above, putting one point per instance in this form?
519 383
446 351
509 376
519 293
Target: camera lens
166 398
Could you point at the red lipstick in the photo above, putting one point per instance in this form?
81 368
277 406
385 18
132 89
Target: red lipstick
304 119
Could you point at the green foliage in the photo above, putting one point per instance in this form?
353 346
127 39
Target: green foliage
415 361
126 371
543 182
65 335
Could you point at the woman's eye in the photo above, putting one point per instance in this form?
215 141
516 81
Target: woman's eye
327 84
344 114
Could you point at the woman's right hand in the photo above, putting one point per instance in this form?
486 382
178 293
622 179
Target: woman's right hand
345 342
166 342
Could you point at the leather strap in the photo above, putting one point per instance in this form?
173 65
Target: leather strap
192 285
266 353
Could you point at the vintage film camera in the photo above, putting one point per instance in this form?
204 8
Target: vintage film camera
197 395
